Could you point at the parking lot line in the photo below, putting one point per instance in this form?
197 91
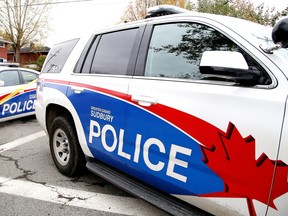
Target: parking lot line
21 141
76 198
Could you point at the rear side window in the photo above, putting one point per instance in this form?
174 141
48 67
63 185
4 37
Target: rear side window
112 53
58 55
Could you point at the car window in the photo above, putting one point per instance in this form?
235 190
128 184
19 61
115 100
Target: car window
58 55
28 76
10 77
113 52
176 49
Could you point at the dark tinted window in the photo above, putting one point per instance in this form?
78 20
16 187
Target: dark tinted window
175 50
113 52
10 77
58 55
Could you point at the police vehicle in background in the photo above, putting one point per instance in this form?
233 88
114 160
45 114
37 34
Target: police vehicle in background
9 64
189 106
17 92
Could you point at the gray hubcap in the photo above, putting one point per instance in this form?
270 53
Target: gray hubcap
61 147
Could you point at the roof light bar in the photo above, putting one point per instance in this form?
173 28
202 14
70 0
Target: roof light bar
163 10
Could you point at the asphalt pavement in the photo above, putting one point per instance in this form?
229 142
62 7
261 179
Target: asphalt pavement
31 185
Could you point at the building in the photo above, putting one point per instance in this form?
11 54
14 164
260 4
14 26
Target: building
29 55
4 50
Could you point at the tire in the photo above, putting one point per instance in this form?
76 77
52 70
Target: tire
65 148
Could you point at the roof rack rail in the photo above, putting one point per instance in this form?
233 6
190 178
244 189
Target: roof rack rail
163 10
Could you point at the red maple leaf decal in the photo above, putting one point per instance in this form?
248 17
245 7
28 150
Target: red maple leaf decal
233 159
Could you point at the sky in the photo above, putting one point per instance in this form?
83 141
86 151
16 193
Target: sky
77 17
70 20
278 4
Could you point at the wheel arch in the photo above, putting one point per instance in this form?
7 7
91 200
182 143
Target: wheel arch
54 110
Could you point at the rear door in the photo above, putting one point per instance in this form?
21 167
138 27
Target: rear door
98 91
193 135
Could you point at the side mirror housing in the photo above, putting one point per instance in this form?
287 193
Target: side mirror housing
280 33
228 65
2 83
279 36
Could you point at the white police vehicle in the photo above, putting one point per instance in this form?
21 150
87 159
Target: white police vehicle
191 105
17 92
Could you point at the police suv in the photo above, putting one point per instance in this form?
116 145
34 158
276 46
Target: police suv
181 109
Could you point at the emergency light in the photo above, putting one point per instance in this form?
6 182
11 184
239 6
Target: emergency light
163 10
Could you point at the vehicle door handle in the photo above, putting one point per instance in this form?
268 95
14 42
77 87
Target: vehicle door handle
77 90
144 100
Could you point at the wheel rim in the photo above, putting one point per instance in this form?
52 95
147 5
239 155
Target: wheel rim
61 147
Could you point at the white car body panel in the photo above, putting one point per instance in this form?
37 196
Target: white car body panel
257 114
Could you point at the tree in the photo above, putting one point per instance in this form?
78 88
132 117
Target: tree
40 61
243 9
24 22
138 9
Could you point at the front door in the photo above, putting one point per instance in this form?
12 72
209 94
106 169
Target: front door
191 135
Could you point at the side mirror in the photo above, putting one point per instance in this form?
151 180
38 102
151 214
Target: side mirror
279 36
2 83
228 65
280 33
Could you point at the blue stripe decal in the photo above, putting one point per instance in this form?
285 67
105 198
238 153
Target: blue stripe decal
165 158
19 104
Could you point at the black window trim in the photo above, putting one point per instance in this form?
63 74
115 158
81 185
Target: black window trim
80 63
134 55
143 51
